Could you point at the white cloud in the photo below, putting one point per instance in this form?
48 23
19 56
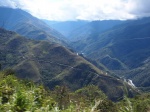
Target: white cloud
139 8
8 3
82 9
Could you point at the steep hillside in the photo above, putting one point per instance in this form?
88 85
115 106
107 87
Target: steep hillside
25 24
52 64
124 49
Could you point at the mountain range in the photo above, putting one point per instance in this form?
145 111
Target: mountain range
52 64
76 30
123 49
108 52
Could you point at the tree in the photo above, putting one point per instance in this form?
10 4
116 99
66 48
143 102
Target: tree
62 96
107 106
92 93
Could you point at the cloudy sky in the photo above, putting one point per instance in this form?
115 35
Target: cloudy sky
62 10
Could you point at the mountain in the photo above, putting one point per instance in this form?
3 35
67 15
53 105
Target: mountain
53 64
66 27
124 49
93 29
25 24
76 30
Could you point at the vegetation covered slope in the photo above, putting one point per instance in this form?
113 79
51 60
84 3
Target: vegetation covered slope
25 24
22 95
52 64
124 49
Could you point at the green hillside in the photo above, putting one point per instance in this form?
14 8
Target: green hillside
52 64
124 49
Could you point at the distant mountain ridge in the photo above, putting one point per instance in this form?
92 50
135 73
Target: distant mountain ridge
76 30
25 24
93 28
66 27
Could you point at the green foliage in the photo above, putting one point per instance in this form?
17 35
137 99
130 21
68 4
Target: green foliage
107 106
91 93
22 95
61 94
19 96
21 102
137 104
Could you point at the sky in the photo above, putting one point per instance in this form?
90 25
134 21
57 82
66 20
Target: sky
64 10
